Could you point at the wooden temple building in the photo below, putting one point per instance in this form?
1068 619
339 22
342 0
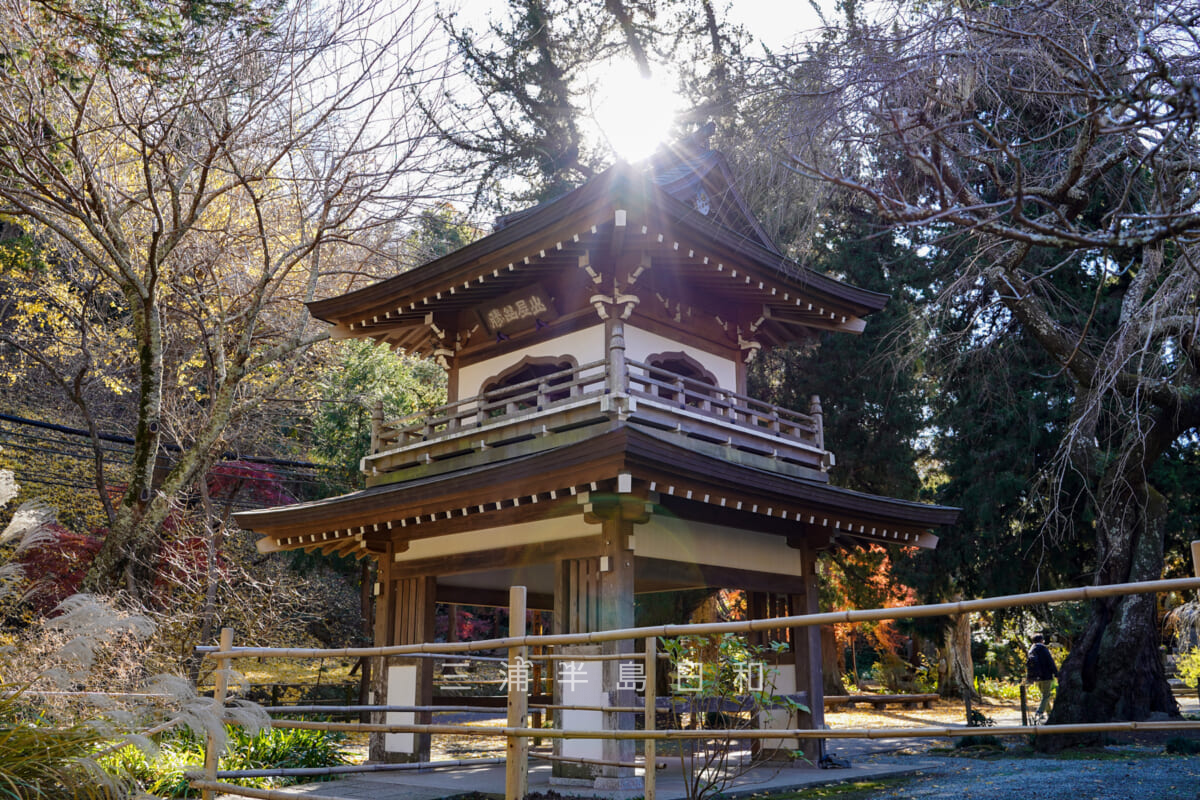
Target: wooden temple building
598 441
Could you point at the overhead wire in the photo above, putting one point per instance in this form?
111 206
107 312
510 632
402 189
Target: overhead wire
27 436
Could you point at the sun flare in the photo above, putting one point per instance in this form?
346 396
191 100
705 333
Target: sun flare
633 114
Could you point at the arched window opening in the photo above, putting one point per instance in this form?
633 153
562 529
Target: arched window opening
687 376
519 384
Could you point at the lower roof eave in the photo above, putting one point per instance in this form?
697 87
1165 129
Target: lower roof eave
657 464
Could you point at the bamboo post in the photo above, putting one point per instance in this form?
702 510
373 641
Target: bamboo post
1024 704
220 691
537 716
650 755
516 777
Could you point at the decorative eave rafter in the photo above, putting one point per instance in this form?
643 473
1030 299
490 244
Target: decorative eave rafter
616 212
358 540
623 461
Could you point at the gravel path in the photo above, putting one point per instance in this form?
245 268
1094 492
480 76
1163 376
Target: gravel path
1125 772
1141 776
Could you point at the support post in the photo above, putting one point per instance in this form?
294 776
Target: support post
616 612
618 379
516 777
1196 560
814 411
649 754
220 692
384 635
806 644
377 427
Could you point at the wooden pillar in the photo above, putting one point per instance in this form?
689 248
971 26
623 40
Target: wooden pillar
576 610
385 620
618 381
594 594
377 426
756 608
806 644
404 615
415 606
1196 559
814 411
616 611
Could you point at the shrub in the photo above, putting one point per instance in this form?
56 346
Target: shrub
1183 746
1188 666
280 747
999 689
165 775
988 743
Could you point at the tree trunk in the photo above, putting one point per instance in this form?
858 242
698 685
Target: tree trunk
831 662
959 676
1115 672
128 553
130 542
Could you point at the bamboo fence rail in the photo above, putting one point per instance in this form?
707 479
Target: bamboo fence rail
929 732
211 788
401 709
518 735
348 769
718 628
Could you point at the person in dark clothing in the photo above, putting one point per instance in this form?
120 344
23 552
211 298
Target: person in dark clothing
1041 671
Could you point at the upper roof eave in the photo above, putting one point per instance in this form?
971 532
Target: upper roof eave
615 187
344 306
861 301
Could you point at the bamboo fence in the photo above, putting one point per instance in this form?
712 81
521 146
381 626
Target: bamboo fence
517 734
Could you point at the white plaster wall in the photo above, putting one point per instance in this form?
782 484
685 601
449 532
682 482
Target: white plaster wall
401 691
546 530
586 689
641 344
704 543
584 346
783 677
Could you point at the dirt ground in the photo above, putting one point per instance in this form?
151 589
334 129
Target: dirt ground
944 712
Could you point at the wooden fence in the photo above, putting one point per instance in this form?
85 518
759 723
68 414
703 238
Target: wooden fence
518 732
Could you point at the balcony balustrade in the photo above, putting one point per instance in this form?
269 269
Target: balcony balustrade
592 393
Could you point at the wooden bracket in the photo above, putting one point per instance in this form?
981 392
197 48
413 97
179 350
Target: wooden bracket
625 507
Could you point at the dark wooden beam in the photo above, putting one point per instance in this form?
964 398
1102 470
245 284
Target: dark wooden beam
498 598
502 557
659 575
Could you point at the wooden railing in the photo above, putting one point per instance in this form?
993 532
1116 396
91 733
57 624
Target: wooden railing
699 397
653 395
540 394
